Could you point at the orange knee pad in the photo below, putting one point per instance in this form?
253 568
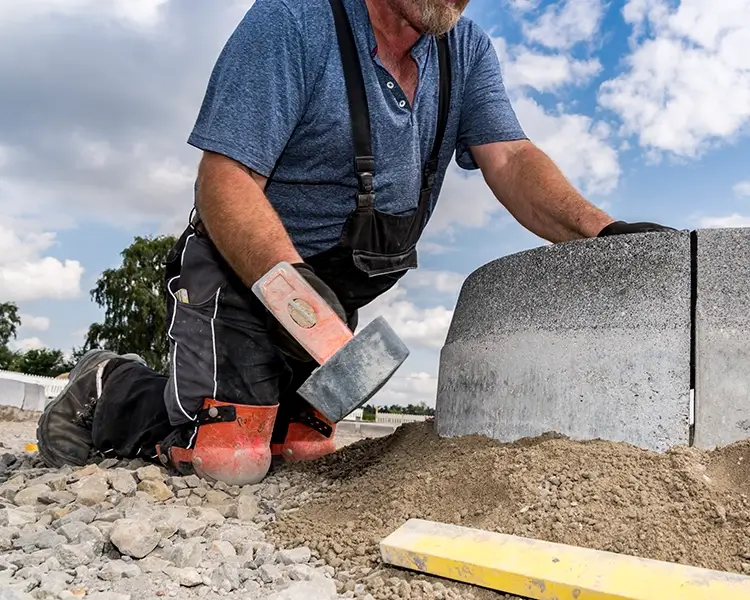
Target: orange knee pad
233 443
310 436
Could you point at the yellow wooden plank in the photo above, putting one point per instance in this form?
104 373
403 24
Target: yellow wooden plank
547 571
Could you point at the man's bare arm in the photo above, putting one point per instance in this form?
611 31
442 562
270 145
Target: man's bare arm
534 190
239 218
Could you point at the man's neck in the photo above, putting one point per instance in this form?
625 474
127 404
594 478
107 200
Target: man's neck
394 35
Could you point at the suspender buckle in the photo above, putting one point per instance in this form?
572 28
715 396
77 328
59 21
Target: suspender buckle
364 164
366 185
365 200
364 167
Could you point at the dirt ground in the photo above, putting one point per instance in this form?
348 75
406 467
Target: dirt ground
685 506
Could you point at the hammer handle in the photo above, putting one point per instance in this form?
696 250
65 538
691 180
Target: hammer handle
302 311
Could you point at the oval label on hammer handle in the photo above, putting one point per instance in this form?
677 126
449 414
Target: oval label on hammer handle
302 313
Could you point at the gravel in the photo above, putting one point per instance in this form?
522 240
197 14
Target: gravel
127 530
130 530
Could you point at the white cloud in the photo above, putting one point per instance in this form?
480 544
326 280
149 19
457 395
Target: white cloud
433 247
91 154
442 281
159 190
26 344
687 83
138 13
169 176
733 220
100 136
414 388
742 189
565 24
579 145
418 327
523 6
36 323
465 201
546 72
27 274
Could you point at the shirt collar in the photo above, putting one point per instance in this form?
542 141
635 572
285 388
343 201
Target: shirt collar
361 20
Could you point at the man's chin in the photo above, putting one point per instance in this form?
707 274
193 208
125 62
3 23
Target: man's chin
439 30
439 20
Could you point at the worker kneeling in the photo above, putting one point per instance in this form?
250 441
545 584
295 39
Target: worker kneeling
229 402
329 161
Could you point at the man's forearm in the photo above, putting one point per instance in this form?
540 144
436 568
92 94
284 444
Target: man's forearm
538 195
239 218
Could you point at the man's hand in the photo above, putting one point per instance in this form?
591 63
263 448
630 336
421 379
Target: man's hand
281 338
239 218
621 227
534 190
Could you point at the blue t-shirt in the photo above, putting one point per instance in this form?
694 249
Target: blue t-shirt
276 102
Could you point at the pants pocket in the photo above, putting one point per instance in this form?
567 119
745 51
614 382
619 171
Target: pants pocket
194 285
193 359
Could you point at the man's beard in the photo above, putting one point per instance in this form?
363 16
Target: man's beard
439 17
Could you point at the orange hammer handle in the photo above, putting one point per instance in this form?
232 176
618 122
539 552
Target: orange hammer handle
302 312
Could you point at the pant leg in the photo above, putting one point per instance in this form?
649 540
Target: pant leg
219 343
130 416
219 349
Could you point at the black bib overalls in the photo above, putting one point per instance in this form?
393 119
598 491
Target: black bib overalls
375 249
218 334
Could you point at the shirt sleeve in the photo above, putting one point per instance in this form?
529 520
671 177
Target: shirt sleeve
257 91
486 114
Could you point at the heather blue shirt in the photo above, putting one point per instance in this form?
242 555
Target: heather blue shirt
276 102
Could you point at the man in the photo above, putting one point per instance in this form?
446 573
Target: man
326 131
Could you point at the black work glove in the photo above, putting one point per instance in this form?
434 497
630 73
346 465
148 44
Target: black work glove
284 340
621 227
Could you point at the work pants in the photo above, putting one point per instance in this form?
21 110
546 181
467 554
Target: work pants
220 348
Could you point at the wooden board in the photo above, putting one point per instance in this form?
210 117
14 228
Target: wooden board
548 571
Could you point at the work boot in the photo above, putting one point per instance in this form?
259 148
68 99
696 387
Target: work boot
232 443
309 437
64 429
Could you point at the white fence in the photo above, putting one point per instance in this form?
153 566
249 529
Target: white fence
52 387
396 419
355 416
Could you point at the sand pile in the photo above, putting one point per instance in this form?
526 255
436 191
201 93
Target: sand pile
686 506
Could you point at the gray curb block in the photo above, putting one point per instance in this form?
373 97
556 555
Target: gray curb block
605 339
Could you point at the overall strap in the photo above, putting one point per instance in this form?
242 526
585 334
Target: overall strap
364 161
444 102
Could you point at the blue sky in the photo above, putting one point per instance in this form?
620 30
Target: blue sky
644 104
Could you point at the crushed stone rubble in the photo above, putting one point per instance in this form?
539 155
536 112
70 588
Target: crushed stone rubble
127 530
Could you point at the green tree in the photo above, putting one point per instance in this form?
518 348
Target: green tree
133 296
7 358
40 361
9 323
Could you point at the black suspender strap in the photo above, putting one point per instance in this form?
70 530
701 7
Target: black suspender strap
444 102
364 161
